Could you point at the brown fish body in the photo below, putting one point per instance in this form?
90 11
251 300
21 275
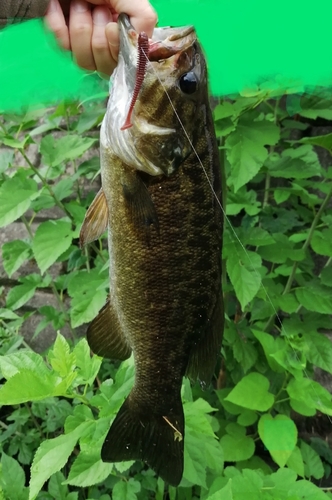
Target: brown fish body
165 263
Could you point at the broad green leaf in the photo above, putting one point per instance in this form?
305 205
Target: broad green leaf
60 357
14 253
58 490
242 200
194 464
247 486
319 350
57 150
51 456
236 445
88 469
20 294
313 466
305 490
248 417
283 479
12 479
6 158
88 366
244 277
126 490
24 359
246 149
279 435
299 163
28 385
315 297
252 393
64 188
16 196
311 393
52 238
315 105
85 308
270 345
295 462
326 276
225 493
321 242
302 408
232 408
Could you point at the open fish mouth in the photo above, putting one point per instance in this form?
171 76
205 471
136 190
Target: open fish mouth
165 42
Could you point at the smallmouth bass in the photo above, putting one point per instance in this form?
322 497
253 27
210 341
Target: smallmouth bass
159 163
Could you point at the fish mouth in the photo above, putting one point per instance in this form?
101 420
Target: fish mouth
165 42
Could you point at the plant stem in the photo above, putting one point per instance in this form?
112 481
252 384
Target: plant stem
46 185
305 246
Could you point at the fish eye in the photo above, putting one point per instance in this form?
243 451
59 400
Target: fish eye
188 83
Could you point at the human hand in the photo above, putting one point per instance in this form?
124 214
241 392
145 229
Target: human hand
90 31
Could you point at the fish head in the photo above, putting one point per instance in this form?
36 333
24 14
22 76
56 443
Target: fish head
165 115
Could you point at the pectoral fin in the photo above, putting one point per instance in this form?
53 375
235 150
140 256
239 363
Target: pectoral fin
95 221
138 199
105 336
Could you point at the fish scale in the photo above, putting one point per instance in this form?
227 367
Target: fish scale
164 238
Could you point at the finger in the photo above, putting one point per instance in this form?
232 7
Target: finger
80 32
55 19
112 35
104 61
142 16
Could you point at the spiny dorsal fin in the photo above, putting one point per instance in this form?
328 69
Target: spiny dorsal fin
95 221
105 336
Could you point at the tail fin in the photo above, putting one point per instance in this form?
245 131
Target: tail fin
137 434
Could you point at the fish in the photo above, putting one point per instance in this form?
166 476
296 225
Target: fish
160 203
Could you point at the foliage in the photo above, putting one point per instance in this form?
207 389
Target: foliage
243 438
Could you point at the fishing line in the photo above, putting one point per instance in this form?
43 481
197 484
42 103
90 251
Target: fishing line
229 222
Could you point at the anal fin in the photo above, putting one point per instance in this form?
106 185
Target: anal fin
203 356
105 336
95 221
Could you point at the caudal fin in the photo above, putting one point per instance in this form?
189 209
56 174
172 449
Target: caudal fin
137 434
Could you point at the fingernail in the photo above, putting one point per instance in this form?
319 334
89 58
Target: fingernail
101 17
80 6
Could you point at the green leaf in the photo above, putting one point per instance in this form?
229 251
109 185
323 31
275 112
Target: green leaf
126 490
252 393
299 163
247 418
12 479
58 490
305 490
311 393
16 196
321 242
51 456
246 149
326 276
244 276
295 462
61 359
315 297
20 294
236 445
6 158
319 350
88 469
315 105
313 466
14 253
279 435
58 150
302 408
24 359
225 493
88 366
84 309
271 345
194 467
52 238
